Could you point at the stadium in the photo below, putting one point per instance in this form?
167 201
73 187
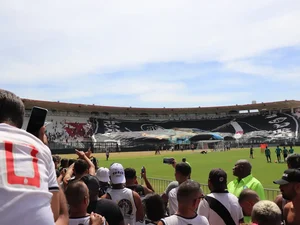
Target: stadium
72 126
135 133
150 113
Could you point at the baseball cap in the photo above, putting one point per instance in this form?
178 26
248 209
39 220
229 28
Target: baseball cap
103 174
117 174
218 178
289 175
91 182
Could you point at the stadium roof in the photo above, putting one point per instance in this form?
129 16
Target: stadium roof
70 107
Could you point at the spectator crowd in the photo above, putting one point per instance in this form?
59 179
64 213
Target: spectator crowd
37 188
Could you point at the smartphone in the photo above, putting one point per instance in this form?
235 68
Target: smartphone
168 160
37 120
142 171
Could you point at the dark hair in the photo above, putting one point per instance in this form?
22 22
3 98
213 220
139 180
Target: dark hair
188 190
54 158
154 207
183 168
130 173
71 161
95 162
64 163
75 193
80 166
293 161
92 183
12 109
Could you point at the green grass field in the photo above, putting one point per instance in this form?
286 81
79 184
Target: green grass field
201 163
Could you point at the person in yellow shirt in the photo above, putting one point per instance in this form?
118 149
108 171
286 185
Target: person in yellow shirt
242 170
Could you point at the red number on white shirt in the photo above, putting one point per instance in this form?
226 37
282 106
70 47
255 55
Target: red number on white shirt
14 179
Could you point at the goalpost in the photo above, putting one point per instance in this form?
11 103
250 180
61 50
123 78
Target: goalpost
213 145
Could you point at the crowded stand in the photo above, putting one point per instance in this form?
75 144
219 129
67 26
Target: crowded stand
62 191
143 129
67 129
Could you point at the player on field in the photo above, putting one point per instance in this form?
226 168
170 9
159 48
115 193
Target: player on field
268 154
291 150
107 154
251 152
29 192
278 153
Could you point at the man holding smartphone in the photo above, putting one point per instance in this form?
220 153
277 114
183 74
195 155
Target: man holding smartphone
27 172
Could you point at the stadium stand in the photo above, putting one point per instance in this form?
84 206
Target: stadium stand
77 123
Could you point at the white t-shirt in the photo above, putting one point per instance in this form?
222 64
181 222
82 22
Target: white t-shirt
27 175
80 221
173 203
231 203
125 201
179 220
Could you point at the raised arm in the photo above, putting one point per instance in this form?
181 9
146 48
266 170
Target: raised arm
68 175
148 189
82 155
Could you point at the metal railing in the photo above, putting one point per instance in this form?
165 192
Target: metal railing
159 185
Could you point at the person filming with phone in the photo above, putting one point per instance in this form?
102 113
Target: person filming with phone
28 185
182 173
131 182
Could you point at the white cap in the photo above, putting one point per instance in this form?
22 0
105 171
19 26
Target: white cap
103 174
117 174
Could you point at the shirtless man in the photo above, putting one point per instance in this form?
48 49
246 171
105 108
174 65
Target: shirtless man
293 162
290 189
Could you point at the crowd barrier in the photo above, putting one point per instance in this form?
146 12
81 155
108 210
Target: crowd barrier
159 185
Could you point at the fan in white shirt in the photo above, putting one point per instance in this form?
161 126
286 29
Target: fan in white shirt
217 183
182 174
188 195
28 186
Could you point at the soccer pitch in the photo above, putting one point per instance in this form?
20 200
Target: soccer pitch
201 163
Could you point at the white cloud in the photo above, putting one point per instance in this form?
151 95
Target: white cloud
194 100
138 91
250 68
61 42
64 39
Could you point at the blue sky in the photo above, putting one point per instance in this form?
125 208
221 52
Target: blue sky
151 54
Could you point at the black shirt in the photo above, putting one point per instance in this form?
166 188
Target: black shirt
138 189
107 208
103 188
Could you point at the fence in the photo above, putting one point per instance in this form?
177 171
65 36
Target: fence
159 185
